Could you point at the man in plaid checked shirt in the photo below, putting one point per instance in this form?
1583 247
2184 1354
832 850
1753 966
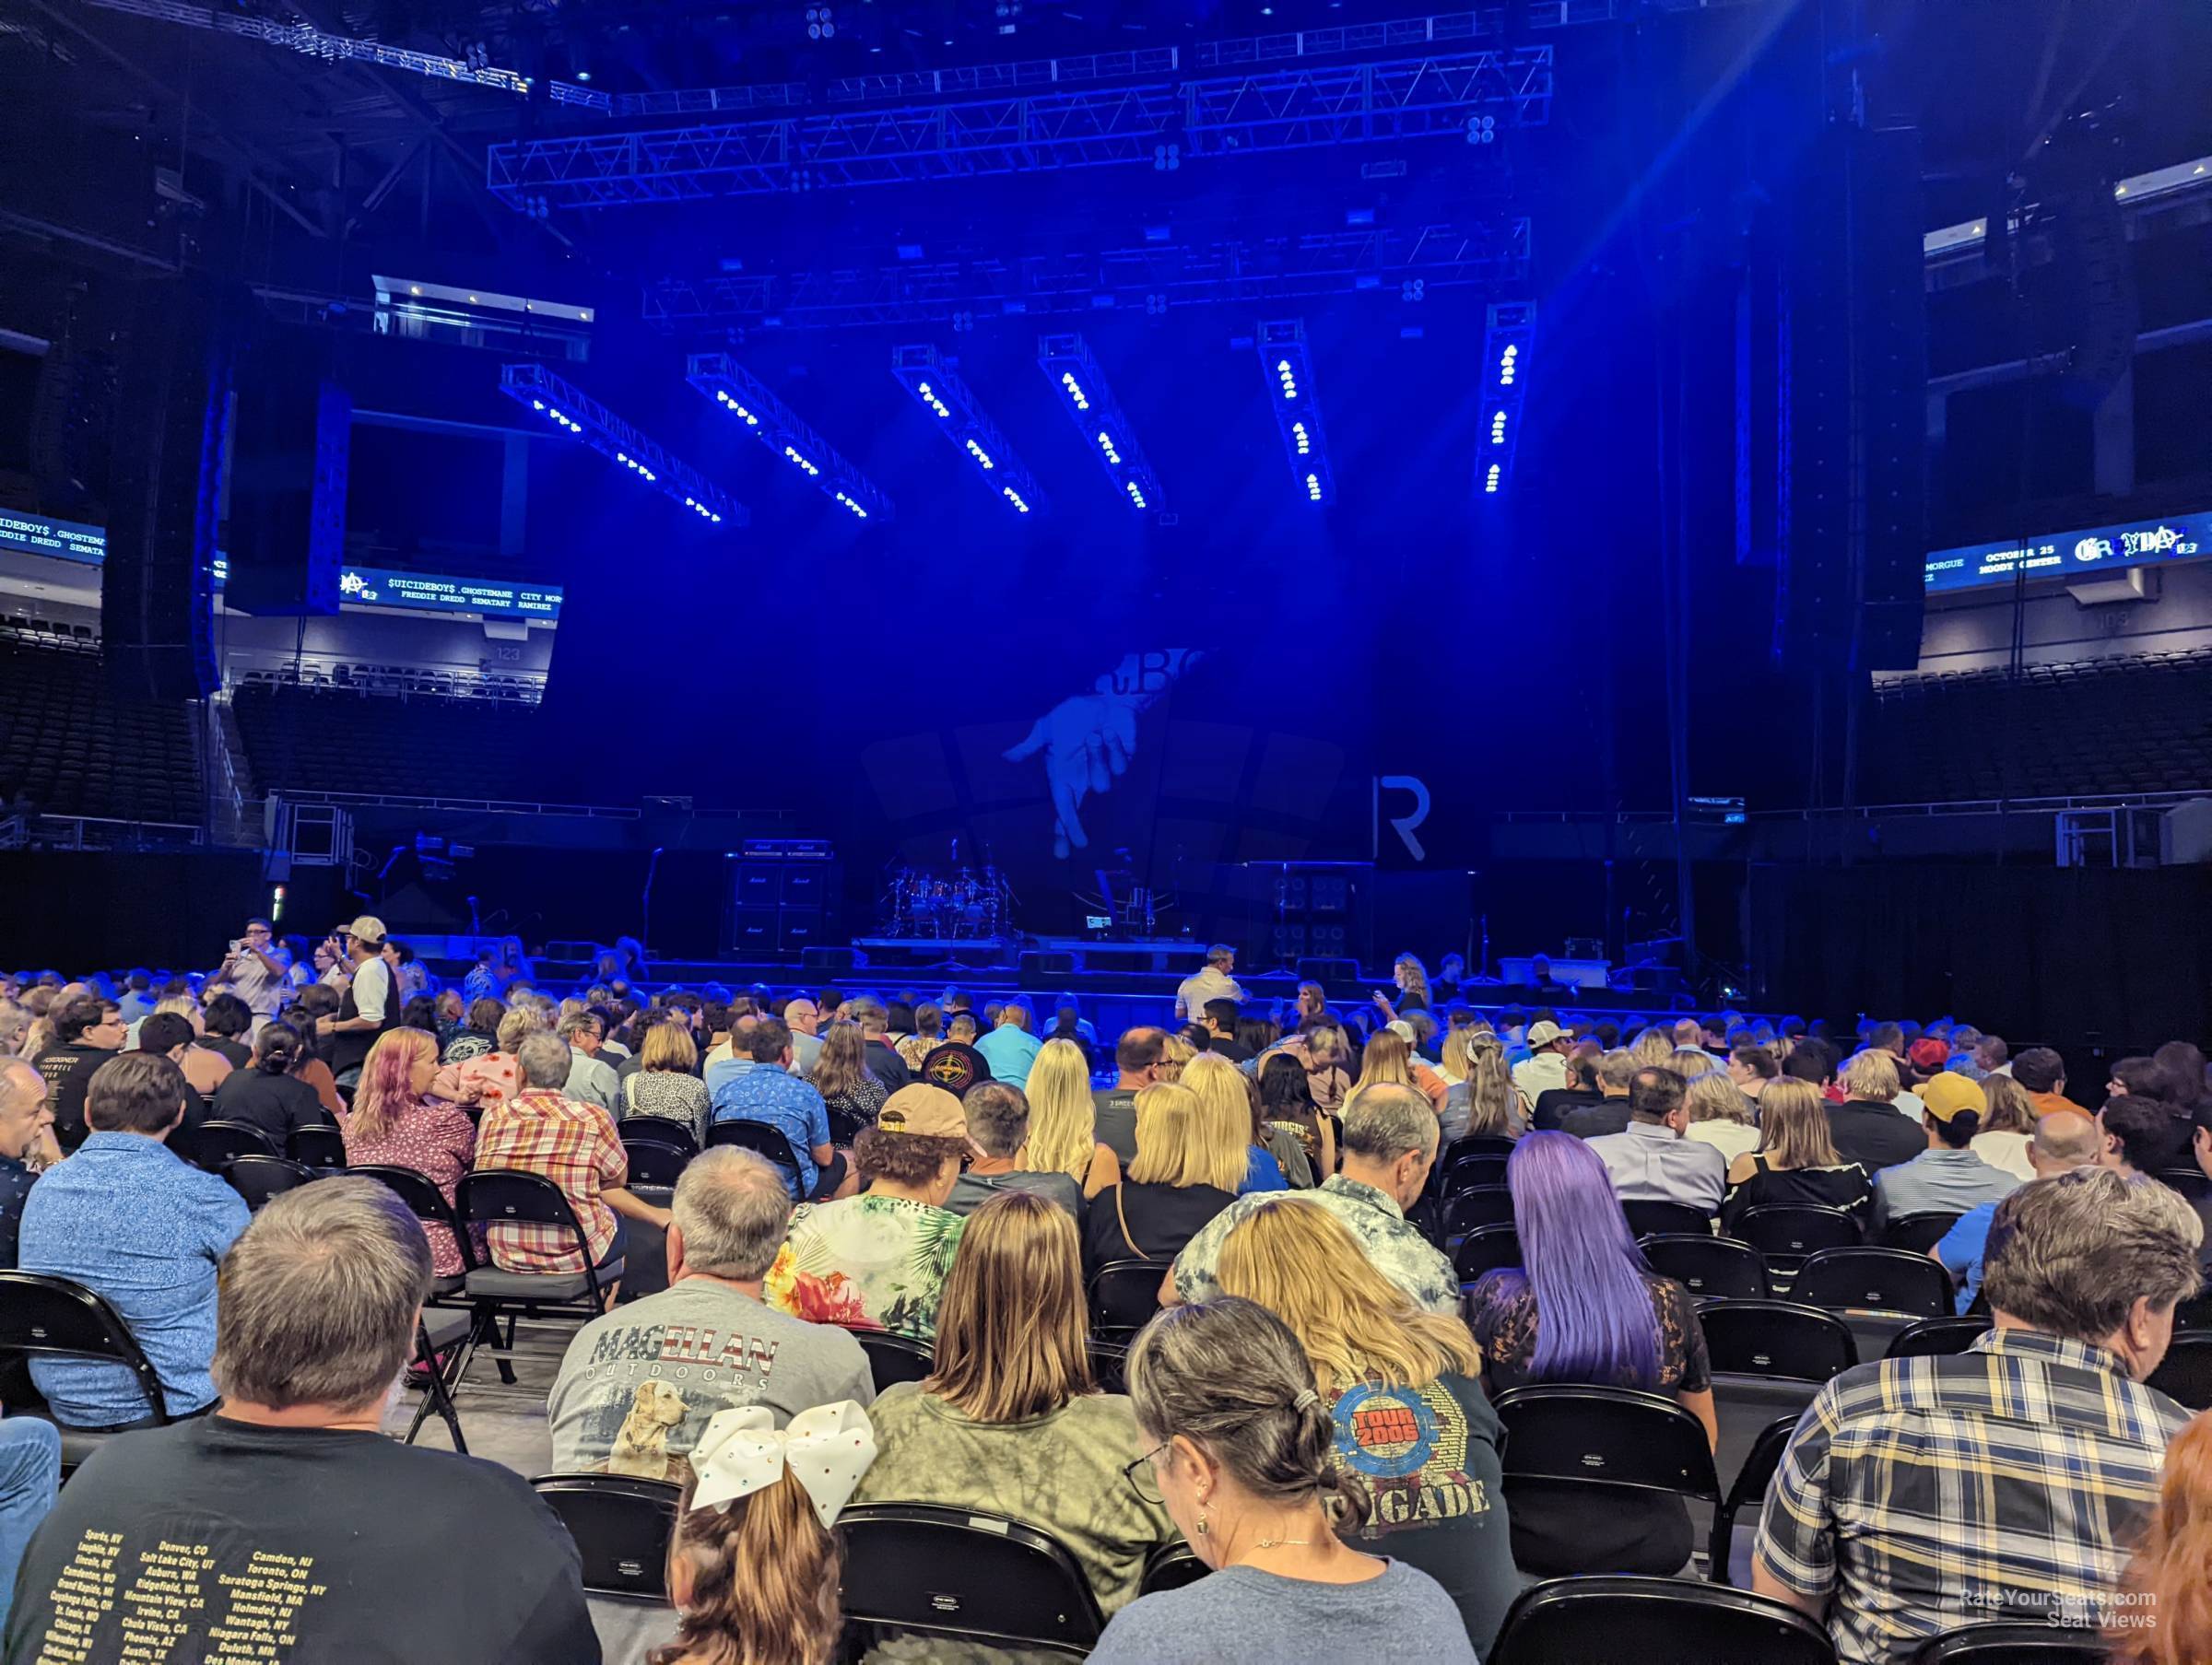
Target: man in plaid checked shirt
2009 1482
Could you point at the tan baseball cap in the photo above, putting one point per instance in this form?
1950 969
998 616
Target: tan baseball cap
369 928
928 1112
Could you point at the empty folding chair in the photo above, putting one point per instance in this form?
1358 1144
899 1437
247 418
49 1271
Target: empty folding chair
1876 1280
622 1524
1709 1267
1657 1619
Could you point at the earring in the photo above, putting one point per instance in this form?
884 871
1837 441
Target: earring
1205 1525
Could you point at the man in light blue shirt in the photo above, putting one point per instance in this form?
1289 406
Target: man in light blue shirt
1011 1049
758 1086
1650 1161
132 1221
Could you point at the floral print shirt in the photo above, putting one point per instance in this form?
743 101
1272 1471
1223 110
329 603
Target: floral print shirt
866 1263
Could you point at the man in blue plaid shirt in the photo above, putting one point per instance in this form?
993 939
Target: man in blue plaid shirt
2009 1482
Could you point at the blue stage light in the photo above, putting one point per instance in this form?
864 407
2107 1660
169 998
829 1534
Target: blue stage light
962 419
577 413
980 455
1090 406
774 422
1289 365
1014 497
1507 340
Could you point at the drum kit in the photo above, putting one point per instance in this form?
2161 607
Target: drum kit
967 903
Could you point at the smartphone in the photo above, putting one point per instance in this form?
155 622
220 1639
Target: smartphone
236 943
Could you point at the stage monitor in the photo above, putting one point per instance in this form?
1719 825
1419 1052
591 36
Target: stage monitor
2067 553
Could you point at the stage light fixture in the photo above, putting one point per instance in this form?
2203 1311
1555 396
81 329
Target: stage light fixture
1090 403
939 390
743 395
1291 387
577 413
1508 339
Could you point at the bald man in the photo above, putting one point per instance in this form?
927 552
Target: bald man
25 1121
2064 1139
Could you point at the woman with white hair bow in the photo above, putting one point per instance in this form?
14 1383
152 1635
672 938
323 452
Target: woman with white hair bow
753 1562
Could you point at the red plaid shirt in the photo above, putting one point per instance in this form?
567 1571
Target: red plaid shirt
574 1145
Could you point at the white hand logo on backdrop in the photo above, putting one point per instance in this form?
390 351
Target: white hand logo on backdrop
1088 739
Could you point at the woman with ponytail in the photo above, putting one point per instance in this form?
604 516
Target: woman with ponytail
267 1094
1241 1449
396 1123
1383 1366
753 1564
1583 1307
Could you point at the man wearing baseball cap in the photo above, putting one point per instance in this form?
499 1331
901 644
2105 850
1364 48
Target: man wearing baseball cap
1545 1068
368 1008
878 1260
1948 1178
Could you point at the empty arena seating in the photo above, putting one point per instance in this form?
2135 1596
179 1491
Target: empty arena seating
73 748
334 740
2140 724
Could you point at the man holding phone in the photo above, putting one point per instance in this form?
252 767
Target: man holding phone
254 971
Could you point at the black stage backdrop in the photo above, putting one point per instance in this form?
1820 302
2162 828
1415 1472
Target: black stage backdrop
2107 959
74 909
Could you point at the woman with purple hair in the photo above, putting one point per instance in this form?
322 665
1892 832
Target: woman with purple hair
1583 1307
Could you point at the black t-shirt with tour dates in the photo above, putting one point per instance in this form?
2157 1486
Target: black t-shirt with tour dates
217 1540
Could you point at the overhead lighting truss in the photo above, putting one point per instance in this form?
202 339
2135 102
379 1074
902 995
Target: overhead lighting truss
1161 124
949 404
1506 344
580 416
319 44
747 401
1289 370
1080 386
1148 274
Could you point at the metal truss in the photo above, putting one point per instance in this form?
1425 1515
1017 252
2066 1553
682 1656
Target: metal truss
1080 386
1151 275
1161 124
576 413
952 406
318 44
1509 335
749 401
1297 402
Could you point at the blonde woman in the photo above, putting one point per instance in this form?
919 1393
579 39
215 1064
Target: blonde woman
1175 1052
663 1083
1796 1163
850 1091
1653 1049
1185 1172
1063 1120
1412 978
1486 1101
1720 1115
1388 1058
1380 1362
1225 1098
1008 1419
2006 1129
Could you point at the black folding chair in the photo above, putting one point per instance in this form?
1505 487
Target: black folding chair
2014 1642
759 1136
1788 1233
1471 1172
1936 1338
257 1177
492 1197
1170 1567
658 1129
1709 1267
1109 1364
1776 1339
47 1316
651 1162
1873 1279
1648 1218
946 1572
1472 1210
1123 1296
622 1524
1747 1491
1916 1233
318 1147
1617 1439
893 1358
1475 1144
213 1143
1615 1617
2184 1374
1486 1250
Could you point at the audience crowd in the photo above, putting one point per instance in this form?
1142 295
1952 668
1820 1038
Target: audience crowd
1272 1290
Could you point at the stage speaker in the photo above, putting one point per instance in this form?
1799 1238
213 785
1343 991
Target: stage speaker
799 929
1042 963
754 931
173 386
1852 507
822 958
286 535
1326 971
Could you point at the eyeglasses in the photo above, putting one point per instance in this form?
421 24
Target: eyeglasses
1147 1485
